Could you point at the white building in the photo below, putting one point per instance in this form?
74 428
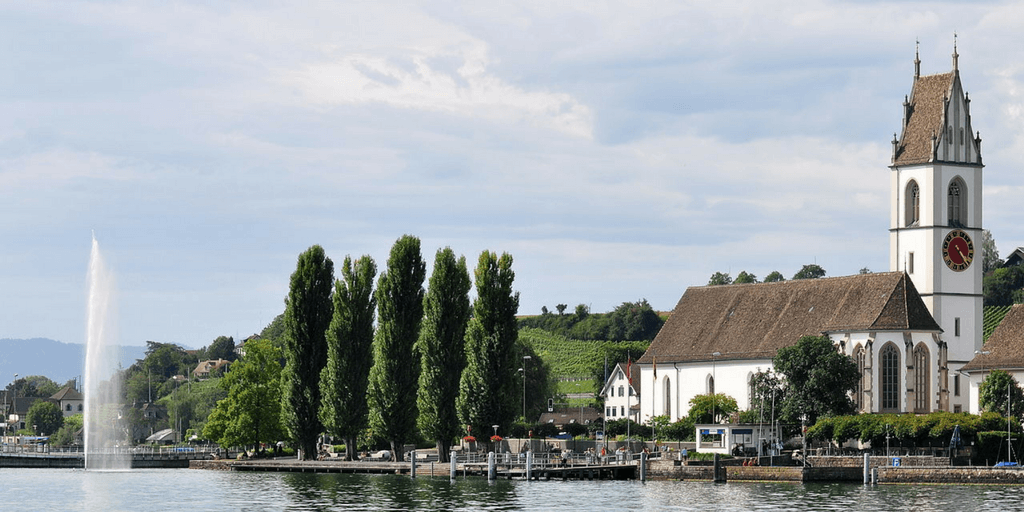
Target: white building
909 330
621 398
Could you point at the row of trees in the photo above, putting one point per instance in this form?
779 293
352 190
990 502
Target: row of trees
811 271
432 353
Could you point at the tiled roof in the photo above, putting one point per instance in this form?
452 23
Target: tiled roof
753 321
925 119
1005 346
67 393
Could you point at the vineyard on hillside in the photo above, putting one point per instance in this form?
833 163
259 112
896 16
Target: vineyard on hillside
567 357
993 315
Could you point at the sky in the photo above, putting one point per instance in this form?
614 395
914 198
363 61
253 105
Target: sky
617 150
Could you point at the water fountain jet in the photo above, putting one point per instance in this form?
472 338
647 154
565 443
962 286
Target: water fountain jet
105 444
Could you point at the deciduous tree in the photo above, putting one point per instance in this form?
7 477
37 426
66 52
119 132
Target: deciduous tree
998 388
44 417
774 277
442 348
719 278
818 379
710 408
251 412
487 388
811 271
308 312
745 278
396 365
344 379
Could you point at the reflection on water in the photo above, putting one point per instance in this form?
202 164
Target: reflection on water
46 489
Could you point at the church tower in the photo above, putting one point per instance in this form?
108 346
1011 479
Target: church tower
936 216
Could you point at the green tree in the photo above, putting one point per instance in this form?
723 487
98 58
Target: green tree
998 388
308 312
396 364
222 348
864 270
819 379
811 271
344 379
774 277
768 393
989 253
442 347
65 435
561 308
1002 287
634 321
251 412
745 278
719 278
487 387
710 408
44 417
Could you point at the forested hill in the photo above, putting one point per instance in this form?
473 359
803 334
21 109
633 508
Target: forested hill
53 359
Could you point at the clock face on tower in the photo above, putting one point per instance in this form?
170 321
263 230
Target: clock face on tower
957 250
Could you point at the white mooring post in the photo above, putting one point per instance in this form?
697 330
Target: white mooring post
529 465
491 473
643 466
867 468
412 459
453 461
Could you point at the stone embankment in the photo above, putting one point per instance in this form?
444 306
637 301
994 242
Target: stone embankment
912 470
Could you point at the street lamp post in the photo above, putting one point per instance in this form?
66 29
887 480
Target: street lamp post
714 382
14 403
525 359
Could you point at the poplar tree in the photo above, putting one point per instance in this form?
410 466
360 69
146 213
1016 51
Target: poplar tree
486 389
442 349
307 315
395 371
344 379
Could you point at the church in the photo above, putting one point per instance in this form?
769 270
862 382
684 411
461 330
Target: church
910 330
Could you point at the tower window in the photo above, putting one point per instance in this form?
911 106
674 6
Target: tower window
956 203
956 385
913 213
956 326
910 263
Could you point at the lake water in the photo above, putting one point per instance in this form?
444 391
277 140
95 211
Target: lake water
184 489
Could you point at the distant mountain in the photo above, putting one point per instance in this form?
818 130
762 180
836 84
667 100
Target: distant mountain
56 360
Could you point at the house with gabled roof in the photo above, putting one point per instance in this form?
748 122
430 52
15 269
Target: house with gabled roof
204 368
1004 350
621 394
69 400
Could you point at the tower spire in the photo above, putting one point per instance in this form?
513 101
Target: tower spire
955 54
917 59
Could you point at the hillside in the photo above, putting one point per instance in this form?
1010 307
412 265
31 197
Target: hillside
576 363
56 360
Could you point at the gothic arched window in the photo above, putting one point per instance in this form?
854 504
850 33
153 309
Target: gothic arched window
890 357
922 365
913 214
668 398
859 356
956 203
711 385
